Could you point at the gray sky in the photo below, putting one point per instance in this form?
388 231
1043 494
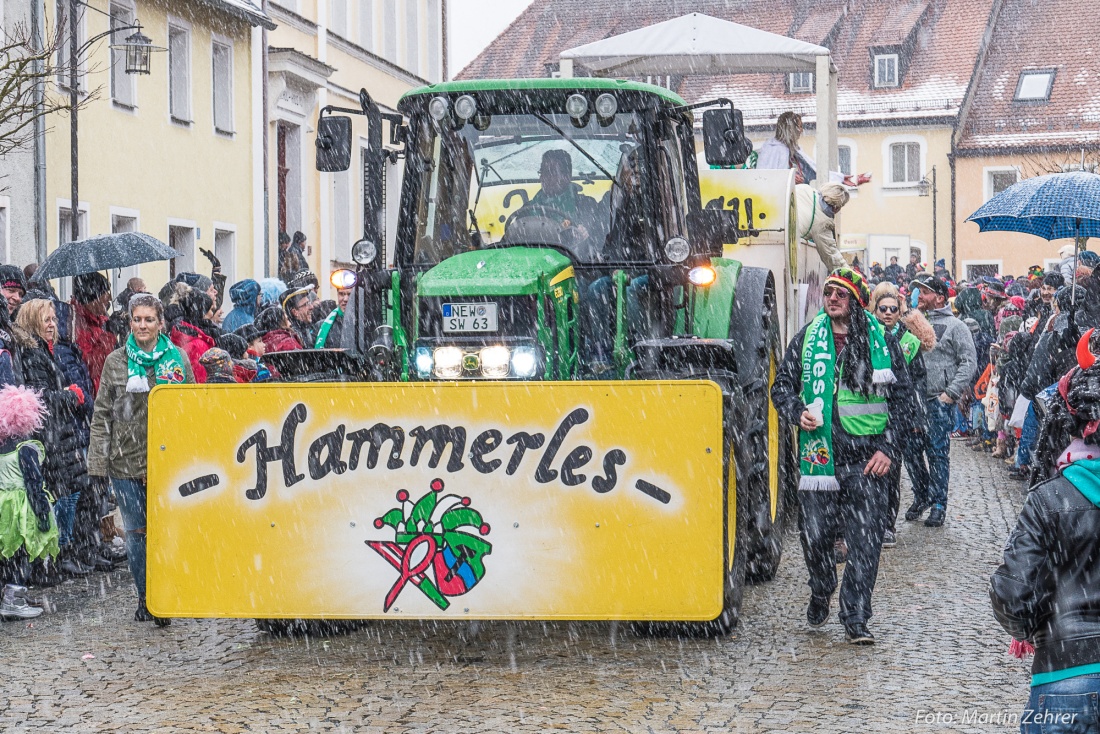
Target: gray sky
473 24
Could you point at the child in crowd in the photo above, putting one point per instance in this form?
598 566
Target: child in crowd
27 524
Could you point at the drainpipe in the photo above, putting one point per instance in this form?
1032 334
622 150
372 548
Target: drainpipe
39 153
443 51
266 163
951 162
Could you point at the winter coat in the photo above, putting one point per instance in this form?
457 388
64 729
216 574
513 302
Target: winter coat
291 262
969 305
1066 268
11 369
193 342
1055 354
243 295
892 272
306 334
915 323
94 340
952 364
119 424
848 449
281 340
1047 591
65 468
817 226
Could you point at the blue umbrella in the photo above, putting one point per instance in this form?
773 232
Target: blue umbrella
1055 206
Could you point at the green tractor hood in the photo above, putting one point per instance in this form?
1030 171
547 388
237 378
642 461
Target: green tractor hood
511 271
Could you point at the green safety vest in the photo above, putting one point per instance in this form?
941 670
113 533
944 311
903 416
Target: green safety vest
859 415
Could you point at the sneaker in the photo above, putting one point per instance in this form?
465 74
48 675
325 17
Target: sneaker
858 634
960 434
889 539
1019 473
818 611
840 552
936 517
144 615
916 510
14 604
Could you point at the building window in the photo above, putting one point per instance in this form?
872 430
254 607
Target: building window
123 222
65 224
288 190
999 179
179 74
225 249
338 17
800 82
62 17
122 84
389 30
366 24
1034 86
181 238
886 70
905 165
412 37
976 269
844 159
223 87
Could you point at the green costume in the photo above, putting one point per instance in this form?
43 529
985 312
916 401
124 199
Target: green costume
18 524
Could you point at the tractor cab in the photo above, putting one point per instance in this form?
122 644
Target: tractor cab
546 226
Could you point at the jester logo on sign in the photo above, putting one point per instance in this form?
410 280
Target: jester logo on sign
429 549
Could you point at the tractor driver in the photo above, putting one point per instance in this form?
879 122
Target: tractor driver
562 197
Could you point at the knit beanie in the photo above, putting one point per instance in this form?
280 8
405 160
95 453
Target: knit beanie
851 281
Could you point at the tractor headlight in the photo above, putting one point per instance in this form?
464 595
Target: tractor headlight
494 361
437 108
677 249
363 252
424 362
606 105
702 275
577 106
465 107
525 361
343 279
448 362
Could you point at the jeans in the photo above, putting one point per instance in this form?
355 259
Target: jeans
912 452
961 423
130 495
65 511
1028 436
858 511
941 418
1068 705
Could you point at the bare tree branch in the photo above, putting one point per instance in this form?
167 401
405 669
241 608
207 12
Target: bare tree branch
26 72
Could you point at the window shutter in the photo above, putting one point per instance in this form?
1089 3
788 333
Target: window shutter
223 88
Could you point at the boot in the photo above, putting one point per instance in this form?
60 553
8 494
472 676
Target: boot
14 604
1000 452
44 574
143 615
69 564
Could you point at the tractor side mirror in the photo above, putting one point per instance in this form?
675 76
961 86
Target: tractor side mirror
724 141
333 144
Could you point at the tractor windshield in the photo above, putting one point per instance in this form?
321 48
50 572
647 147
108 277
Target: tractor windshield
532 179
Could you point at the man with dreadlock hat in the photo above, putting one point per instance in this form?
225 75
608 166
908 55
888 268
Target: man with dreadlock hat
843 381
1046 594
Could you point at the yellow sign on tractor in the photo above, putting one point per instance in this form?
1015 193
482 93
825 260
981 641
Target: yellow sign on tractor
581 500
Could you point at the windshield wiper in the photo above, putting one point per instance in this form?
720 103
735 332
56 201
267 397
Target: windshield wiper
572 142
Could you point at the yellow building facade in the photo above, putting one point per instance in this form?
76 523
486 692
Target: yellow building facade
172 154
322 53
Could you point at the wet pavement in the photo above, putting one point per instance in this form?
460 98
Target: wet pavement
941 661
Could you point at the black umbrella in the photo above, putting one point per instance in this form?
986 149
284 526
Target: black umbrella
105 252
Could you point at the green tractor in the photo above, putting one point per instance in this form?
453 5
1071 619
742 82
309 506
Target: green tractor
553 230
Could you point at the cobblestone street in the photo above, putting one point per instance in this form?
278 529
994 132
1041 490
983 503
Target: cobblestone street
941 661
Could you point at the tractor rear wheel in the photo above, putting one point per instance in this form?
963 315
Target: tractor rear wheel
763 447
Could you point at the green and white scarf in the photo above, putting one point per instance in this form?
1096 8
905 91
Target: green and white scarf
819 383
165 360
326 327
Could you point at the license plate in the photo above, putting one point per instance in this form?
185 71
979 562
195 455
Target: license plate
465 317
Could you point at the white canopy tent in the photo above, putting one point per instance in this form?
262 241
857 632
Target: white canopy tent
705 45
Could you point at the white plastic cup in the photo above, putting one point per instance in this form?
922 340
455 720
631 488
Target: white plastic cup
815 409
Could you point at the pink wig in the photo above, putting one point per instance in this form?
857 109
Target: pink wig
21 412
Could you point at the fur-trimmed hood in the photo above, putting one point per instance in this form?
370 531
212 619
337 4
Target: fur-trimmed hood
919 327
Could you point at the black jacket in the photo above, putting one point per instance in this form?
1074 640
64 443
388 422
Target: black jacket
1055 354
1047 591
848 450
65 468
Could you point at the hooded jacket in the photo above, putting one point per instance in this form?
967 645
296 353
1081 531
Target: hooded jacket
1047 591
193 342
94 340
952 365
243 295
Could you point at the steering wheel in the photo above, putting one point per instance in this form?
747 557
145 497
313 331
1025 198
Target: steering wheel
541 211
